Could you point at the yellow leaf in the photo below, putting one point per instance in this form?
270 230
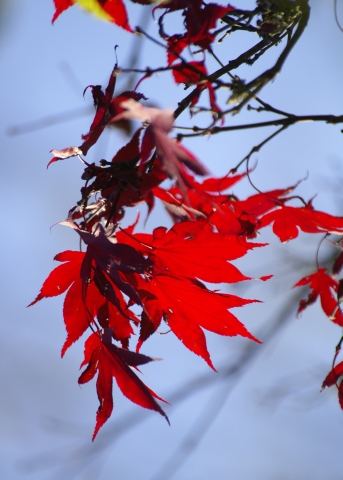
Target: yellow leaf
93 6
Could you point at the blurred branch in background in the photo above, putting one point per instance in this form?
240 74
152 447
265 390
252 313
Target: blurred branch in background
47 121
72 461
230 378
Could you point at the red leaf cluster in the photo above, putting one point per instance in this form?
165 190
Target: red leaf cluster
126 280
125 284
200 19
329 290
162 273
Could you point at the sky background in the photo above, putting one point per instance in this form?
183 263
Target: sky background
271 424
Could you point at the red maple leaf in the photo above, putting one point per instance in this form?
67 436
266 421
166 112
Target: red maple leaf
62 277
325 287
192 250
94 282
114 10
226 212
80 304
335 377
199 19
109 361
188 307
111 262
171 291
287 221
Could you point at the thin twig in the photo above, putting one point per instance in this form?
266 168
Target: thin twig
286 122
232 65
257 148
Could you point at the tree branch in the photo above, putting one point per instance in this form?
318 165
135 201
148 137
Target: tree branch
288 121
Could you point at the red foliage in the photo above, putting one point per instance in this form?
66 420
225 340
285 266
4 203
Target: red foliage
325 287
199 20
288 220
109 362
125 280
195 73
335 377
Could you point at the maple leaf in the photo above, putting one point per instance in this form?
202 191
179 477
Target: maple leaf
90 291
171 153
199 20
109 10
325 287
104 358
226 212
335 377
193 250
179 257
61 277
188 307
160 275
219 184
242 217
79 309
111 262
287 221
80 304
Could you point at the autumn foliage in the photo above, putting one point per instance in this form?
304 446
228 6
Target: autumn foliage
125 283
